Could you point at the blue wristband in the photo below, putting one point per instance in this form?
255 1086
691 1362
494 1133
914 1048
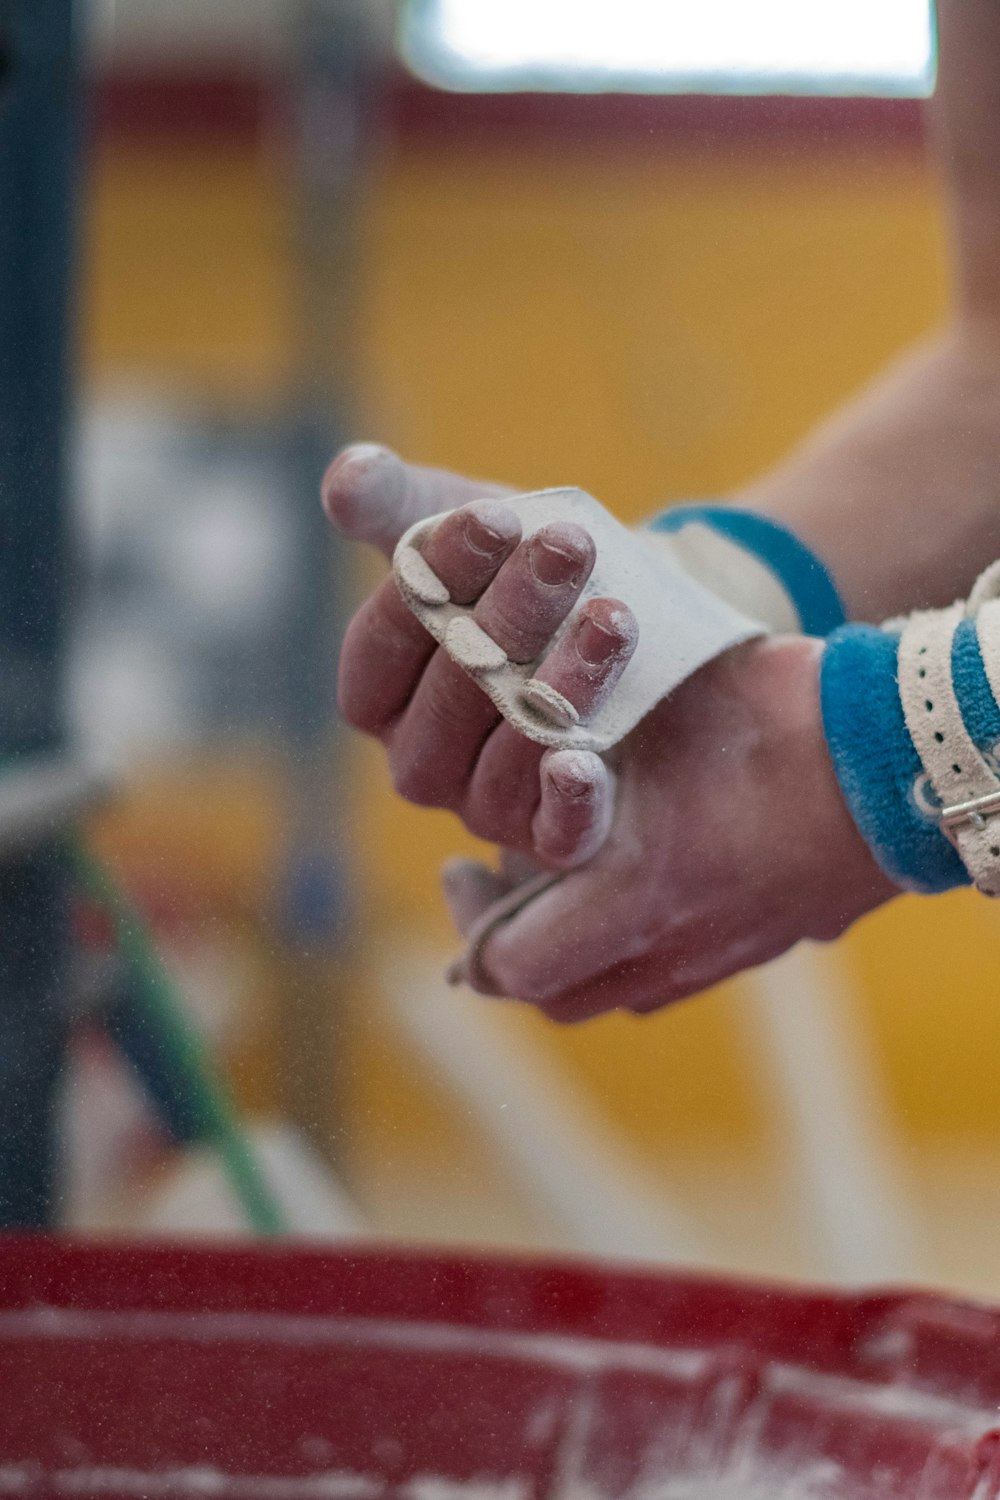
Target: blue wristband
879 771
799 571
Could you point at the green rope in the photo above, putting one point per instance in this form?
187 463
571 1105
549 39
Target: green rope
164 1010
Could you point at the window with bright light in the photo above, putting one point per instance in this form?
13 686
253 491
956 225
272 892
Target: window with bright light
673 46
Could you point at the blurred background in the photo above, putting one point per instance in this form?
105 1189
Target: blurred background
639 248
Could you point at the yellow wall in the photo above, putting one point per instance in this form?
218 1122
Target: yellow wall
649 327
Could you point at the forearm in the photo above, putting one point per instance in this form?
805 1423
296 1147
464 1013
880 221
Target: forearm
900 492
965 121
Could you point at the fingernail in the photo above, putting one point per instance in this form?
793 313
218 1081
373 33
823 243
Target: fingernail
551 564
356 455
594 643
573 780
484 531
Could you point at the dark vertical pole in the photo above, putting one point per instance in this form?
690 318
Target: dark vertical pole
328 120
37 190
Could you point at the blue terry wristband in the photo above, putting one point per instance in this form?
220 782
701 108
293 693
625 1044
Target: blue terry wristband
799 571
879 771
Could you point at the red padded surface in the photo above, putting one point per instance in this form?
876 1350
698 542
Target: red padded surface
286 1374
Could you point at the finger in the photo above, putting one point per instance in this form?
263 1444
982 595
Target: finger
465 969
385 647
575 809
504 792
468 547
371 495
700 955
536 589
565 939
437 743
385 651
434 746
505 788
591 655
469 889
639 985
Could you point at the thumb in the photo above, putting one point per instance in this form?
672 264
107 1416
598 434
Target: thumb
469 888
371 495
564 936
482 901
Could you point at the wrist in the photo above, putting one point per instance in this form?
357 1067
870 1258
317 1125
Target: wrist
833 871
912 720
755 563
912 460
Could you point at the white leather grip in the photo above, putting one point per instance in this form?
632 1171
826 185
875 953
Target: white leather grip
964 781
682 624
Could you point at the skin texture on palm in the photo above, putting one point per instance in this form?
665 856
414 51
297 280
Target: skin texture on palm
719 839
730 843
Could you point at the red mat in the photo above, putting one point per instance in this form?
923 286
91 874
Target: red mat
277 1374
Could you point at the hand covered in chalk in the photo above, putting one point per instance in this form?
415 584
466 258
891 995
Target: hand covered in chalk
446 742
719 839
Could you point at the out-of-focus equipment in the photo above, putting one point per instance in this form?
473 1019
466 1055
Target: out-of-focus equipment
289 1376
328 100
38 181
146 1019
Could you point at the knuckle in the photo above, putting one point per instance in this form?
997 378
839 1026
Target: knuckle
416 780
446 711
453 703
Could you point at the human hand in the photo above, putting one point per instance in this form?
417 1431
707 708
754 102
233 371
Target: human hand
446 742
730 843
728 840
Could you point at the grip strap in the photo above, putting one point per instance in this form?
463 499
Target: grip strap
682 624
961 779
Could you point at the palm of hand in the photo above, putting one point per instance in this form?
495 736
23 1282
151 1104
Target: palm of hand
729 843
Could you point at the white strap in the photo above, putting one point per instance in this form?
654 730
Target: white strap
988 630
682 624
961 777
732 571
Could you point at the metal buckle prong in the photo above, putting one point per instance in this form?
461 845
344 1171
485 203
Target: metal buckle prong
974 812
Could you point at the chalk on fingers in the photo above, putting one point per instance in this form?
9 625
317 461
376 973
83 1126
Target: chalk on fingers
575 810
367 495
